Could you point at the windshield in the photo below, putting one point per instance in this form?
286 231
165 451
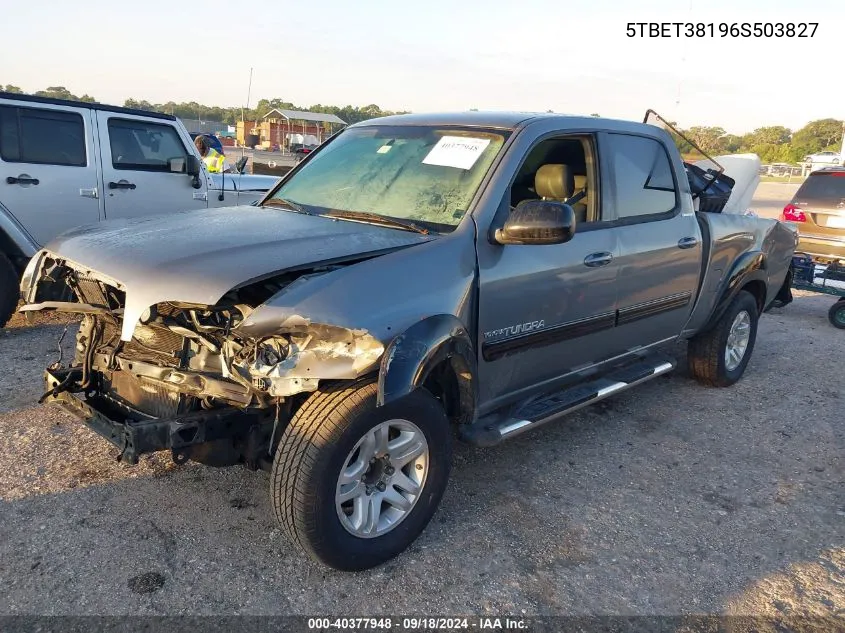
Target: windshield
823 187
424 174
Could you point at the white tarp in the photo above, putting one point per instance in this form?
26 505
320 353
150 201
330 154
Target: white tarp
303 139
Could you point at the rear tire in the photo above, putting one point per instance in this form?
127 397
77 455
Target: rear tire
710 361
324 441
9 289
836 314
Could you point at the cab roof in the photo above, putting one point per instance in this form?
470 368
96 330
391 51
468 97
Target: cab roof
14 96
506 120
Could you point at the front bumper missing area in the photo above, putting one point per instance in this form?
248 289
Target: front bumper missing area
135 437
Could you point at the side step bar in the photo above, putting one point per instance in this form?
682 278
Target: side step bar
494 429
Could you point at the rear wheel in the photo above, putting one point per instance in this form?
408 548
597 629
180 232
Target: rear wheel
9 289
718 357
836 314
353 484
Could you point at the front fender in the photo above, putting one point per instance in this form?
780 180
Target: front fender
410 357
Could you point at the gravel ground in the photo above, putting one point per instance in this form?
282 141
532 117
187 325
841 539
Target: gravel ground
670 499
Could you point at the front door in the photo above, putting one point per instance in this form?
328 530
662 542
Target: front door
545 311
48 167
138 163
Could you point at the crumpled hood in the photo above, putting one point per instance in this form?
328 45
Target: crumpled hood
197 256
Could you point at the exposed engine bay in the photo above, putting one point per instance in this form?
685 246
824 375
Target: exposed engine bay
185 359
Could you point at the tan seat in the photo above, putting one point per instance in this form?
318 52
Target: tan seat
583 204
558 183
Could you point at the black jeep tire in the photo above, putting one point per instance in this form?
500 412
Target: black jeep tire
706 352
836 314
9 289
315 448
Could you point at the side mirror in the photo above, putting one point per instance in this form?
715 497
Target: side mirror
538 222
192 168
241 164
192 165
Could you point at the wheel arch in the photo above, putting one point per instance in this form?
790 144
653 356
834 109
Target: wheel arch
748 273
435 353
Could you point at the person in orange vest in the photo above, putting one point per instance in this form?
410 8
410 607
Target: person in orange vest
213 159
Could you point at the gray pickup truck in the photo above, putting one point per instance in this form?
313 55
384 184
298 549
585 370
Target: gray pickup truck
415 278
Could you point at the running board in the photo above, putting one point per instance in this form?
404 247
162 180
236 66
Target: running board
493 430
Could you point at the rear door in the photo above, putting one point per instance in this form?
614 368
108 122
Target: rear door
48 167
139 159
659 240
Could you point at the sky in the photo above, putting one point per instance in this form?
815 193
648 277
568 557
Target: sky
532 55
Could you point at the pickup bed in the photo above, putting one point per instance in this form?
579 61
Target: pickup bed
414 278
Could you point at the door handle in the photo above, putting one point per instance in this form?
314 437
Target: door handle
123 184
687 242
23 179
595 260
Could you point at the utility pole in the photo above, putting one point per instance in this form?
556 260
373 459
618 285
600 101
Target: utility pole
243 123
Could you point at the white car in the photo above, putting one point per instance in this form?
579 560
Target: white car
831 158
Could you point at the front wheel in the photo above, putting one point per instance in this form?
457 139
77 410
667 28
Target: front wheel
836 314
718 357
354 485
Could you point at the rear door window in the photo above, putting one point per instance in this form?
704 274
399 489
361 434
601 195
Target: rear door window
42 136
643 177
142 146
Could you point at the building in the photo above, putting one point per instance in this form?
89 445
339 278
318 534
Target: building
281 128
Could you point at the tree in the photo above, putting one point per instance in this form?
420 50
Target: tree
596 114
60 92
10 88
139 105
816 136
56 92
709 139
371 110
772 135
771 152
732 143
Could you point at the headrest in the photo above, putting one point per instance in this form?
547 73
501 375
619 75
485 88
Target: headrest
554 181
580 182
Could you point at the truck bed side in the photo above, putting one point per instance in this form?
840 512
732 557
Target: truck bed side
739 252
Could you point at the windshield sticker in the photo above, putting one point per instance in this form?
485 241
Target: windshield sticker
456 151
383 149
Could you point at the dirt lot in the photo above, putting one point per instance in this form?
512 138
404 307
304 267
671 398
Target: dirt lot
671 499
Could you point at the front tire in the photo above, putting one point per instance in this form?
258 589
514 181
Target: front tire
354 485
718 357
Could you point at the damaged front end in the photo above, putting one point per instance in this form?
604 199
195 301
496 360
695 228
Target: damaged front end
189 380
